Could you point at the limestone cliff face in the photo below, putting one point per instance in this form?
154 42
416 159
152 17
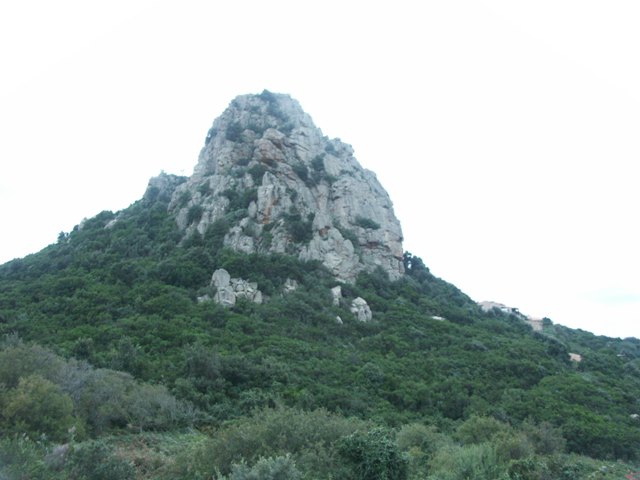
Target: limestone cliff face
274 183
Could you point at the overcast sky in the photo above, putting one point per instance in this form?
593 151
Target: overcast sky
507 133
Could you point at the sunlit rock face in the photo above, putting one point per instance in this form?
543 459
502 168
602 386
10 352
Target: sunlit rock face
270 181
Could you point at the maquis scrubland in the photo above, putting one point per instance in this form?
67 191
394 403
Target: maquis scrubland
261 320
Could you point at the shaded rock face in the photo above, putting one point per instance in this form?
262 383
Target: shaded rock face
277 184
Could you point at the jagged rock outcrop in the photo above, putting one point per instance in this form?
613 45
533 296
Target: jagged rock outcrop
228 289
290 285
270 178
162 187
361 309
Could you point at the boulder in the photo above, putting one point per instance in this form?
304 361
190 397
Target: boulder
361 310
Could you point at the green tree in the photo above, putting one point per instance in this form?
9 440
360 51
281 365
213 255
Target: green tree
36 407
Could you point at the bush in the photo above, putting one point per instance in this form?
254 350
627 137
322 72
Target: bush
240 200
318 163
38 407
545 438
115 400
278 468
527 469
234 132
373 456
477 462
425 437
96 461
512 446
195 214
301 231
257 172
301 171
21 458
307 436
20 360
367 223
479 429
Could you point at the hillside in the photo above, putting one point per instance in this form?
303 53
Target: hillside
121 352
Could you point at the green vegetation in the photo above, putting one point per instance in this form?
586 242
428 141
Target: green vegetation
367 223
300 230
205 188
318 163
301 171
257 172
111 368
318 172
194 214
234 132
240 200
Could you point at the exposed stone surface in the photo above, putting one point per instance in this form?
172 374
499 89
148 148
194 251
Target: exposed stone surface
336 295
221 278
228 289
284 187
204 298
361 310
245 289
289 286
225 296
162 186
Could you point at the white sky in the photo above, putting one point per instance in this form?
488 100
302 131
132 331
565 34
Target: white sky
506 132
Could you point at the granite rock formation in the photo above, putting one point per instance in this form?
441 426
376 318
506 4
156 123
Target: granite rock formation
274 183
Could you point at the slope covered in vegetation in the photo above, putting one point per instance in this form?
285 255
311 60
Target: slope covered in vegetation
110 361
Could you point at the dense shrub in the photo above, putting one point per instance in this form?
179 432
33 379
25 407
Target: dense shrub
257 172
373 455
96 461
234 132
477 462
308 436
20 360
479 429
301 171
194 214
273 468
426 438
367 223
299 229
37 407
22 458
75 393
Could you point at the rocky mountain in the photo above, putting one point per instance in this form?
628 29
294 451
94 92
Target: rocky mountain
188 336
270 178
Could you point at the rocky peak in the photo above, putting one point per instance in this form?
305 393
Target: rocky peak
273 182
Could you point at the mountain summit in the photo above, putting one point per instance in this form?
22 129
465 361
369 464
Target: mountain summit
274 183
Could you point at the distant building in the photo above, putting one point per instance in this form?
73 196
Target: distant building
536 323
488 306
